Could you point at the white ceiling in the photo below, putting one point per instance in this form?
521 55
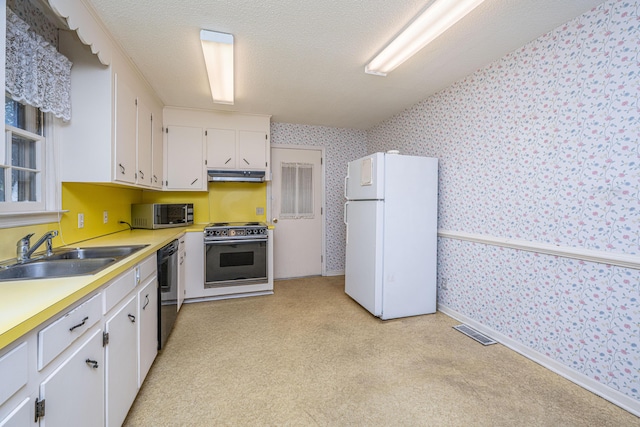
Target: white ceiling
302 61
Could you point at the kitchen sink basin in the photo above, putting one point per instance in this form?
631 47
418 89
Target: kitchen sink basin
67 262
43 269
97 252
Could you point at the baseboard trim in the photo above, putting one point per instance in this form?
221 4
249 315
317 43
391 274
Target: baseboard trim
612 258
334 273
613 396
230 296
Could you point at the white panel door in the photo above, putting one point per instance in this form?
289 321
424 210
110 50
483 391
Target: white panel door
363 264
297 238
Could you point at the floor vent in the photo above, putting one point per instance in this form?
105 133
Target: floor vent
472 333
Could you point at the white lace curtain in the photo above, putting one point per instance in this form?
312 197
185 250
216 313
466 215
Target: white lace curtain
297 190
36 73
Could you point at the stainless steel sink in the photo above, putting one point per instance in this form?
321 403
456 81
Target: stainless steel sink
97 252
67 262
43 269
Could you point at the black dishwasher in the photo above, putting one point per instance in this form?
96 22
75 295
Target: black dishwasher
167 290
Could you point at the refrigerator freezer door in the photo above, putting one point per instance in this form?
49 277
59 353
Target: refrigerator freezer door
364 179
363 268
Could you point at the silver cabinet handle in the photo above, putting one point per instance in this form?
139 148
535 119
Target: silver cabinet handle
141 174
245 160
155 178
122 169
228 160
194 181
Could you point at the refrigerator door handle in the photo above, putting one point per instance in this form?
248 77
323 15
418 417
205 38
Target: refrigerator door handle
345 186
344 219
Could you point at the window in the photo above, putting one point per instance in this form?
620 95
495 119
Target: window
23 177
297 190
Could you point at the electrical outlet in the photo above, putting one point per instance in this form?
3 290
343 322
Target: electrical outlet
259 211
80 220
105 217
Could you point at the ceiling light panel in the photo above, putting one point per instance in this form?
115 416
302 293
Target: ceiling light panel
435 20
218 56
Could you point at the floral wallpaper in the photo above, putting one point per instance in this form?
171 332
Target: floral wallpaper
341 146
543 145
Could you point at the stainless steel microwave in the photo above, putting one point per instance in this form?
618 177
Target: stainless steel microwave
161 215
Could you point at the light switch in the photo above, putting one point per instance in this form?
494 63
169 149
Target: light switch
80 220
259 211
105 217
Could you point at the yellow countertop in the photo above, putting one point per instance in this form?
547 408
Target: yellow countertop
25 304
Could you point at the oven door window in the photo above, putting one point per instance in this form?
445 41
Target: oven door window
235 261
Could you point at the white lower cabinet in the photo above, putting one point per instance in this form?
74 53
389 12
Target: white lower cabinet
74 392
121 361
147 327
21 416
85 366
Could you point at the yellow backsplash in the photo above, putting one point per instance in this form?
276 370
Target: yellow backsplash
237 201
92 200
225 201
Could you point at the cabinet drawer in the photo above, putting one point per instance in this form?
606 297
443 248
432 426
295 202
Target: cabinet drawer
13 371
118 289
147 268
56 337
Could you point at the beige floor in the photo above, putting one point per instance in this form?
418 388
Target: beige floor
309 355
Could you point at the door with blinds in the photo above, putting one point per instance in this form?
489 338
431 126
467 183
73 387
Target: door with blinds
296 204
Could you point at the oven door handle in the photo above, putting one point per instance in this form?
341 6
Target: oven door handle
232 241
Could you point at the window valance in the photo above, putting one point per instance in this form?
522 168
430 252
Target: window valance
36 73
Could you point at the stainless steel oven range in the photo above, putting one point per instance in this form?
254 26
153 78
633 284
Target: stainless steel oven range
235 253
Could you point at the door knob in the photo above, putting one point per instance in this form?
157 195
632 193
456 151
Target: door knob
275 220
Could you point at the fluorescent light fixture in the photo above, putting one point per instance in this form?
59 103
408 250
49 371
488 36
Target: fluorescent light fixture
435 20
218 57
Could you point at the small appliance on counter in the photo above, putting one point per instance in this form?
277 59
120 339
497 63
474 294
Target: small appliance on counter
161 215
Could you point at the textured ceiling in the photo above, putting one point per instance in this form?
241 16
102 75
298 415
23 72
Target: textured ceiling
302 61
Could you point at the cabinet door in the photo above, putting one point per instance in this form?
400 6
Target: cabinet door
182 273
221 148
157 165
143 157
75 391
185 163
121 362
125 133
147 327
21 416
252 150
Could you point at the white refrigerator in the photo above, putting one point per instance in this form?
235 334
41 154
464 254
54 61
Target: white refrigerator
391 226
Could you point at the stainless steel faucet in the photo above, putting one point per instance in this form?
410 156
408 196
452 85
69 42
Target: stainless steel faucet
25 250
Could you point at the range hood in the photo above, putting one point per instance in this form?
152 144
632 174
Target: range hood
235 176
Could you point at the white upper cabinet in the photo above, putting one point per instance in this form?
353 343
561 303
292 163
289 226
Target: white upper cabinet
144 155
237 149
125 132
185 159
111 135
233 141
